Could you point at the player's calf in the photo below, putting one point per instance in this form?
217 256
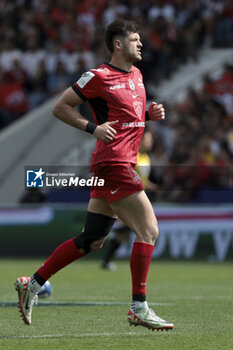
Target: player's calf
97 245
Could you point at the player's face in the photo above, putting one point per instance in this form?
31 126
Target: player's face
132 48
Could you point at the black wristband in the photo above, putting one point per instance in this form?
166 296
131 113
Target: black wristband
90 127
147 116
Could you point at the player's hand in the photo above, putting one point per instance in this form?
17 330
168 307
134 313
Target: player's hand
105 132
156 112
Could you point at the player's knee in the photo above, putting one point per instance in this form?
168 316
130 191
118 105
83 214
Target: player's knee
151 234
97 245
96 228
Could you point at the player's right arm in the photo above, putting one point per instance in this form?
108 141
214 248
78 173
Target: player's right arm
64 109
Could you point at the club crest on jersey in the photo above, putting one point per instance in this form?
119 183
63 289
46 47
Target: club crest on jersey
138 108
131 84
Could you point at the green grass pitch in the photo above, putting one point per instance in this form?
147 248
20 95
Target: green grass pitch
88 308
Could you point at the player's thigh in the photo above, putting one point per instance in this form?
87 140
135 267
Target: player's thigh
137 212
100 206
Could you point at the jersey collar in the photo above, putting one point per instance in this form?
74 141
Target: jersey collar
120 70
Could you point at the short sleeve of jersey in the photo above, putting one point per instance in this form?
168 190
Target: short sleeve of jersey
87 86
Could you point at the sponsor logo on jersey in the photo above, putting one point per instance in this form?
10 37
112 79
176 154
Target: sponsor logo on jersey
131 84
137 105
85 78
133 125
140 84
119 86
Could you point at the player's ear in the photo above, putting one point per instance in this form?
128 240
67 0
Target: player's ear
118 44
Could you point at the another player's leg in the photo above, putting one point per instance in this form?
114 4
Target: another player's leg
96 228
119 234
136 212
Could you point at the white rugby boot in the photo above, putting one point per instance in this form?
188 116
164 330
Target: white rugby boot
27 299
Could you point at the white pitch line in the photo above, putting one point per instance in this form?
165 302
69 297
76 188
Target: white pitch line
198 297
60 303
85 335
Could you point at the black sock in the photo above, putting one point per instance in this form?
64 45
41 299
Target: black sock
40 280
139 297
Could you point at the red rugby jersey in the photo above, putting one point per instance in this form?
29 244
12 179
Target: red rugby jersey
114 94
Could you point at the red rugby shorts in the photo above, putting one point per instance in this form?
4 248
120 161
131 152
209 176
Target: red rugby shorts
120 180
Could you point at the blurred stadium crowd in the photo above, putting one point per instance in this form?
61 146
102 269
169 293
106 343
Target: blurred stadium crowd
194 145
47 44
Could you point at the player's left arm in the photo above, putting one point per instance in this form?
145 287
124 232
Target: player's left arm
155 112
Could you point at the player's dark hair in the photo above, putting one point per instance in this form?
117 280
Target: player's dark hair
120 27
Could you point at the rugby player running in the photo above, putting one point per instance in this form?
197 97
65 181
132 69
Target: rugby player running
117 97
